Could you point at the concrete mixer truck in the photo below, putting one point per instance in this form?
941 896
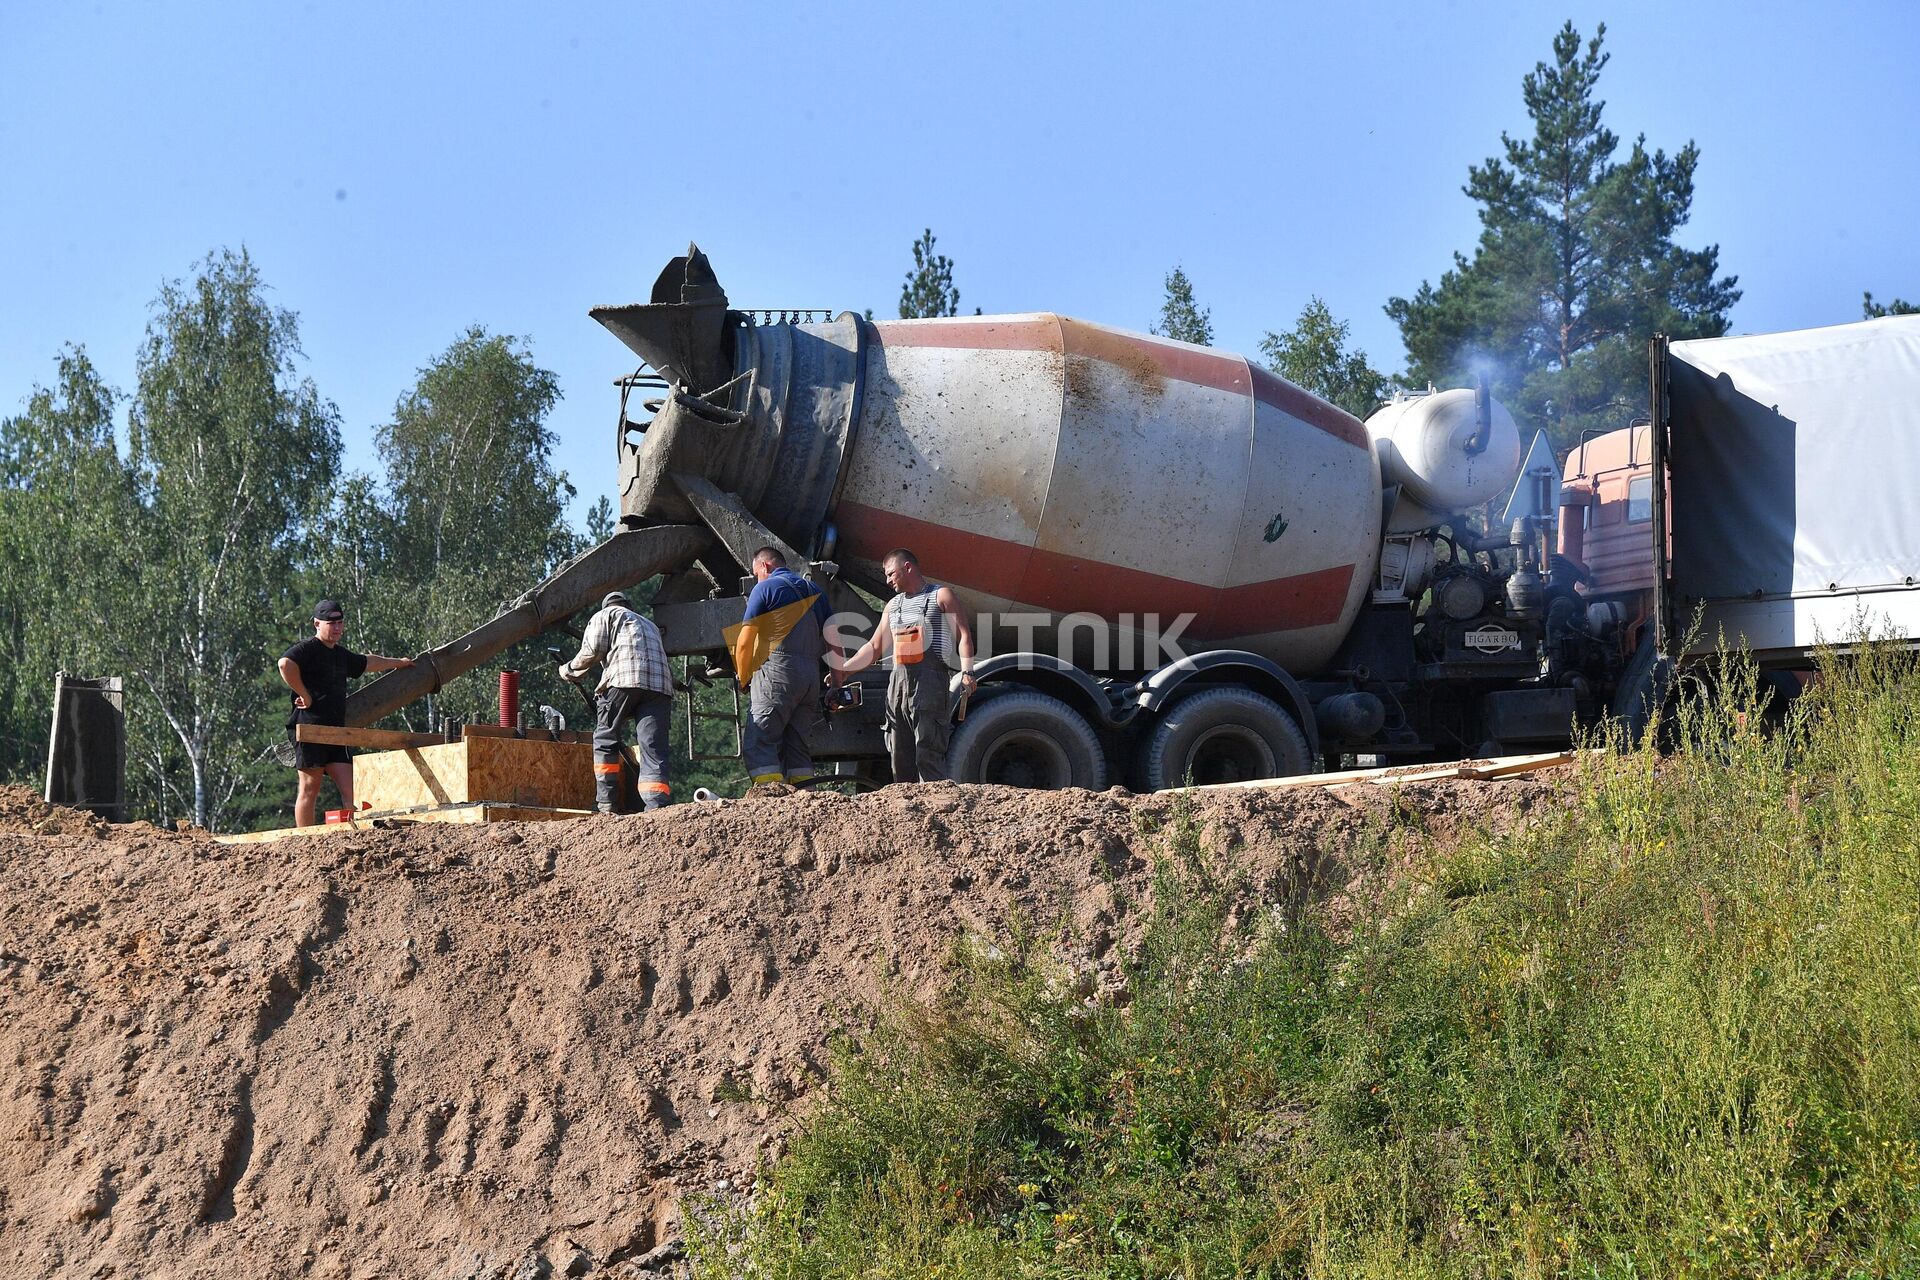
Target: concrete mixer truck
1180 565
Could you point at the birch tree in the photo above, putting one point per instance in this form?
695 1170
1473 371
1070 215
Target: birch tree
1314 356
477 510
234 455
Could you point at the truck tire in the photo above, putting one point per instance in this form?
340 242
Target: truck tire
1026 739
1228 734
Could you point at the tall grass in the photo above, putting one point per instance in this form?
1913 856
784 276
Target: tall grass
1671 1030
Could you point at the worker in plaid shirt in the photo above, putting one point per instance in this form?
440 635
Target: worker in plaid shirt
636 685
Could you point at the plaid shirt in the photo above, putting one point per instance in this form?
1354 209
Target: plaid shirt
630 646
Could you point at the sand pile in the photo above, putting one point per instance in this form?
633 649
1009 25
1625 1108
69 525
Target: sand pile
506 1051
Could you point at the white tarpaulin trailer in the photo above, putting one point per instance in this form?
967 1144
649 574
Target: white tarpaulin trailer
1793 507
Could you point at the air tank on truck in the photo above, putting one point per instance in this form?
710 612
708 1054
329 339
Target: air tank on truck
1180 565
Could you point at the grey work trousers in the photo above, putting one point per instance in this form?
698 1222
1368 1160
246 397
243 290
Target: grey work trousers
919 722
783 709
651 713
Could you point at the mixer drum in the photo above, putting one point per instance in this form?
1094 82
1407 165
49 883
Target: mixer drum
1047 467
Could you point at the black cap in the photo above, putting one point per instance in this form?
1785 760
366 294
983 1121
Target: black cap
616 597
328 611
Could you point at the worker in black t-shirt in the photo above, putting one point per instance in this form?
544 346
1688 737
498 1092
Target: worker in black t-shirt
317 671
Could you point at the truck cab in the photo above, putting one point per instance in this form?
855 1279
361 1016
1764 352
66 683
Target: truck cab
1606 522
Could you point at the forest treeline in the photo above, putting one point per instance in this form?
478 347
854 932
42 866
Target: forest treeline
178 534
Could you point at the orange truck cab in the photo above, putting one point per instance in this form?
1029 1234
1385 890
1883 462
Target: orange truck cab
1606 524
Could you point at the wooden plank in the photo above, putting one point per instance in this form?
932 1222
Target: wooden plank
510 813
361 824
1334 779
284 833
372 739
370 821
1481 770
529 735
1388 773
1522 764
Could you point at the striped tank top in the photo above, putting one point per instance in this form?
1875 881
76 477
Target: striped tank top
920 630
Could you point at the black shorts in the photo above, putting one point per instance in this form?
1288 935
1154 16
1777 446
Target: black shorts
315 755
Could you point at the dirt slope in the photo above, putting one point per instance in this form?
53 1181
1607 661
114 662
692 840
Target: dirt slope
505 1051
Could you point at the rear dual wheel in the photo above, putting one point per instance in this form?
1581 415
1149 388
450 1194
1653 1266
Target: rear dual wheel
1219 735
1027 739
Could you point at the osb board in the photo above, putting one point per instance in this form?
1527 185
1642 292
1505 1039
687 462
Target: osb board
453 813
519 771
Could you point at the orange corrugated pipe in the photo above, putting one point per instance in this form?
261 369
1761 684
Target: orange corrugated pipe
509 699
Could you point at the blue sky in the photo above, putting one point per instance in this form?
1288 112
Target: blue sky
401 171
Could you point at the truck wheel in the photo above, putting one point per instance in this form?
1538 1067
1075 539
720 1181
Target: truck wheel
1026 739
1223 735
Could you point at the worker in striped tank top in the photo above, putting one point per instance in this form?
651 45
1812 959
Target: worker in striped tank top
925 631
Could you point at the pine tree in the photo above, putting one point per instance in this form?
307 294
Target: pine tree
1180 319
1576 267
929 289
600 521
1898 307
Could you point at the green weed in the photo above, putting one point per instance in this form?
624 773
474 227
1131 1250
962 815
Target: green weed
1672 1029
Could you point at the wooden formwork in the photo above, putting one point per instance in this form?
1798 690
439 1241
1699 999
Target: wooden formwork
494 770
489 774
